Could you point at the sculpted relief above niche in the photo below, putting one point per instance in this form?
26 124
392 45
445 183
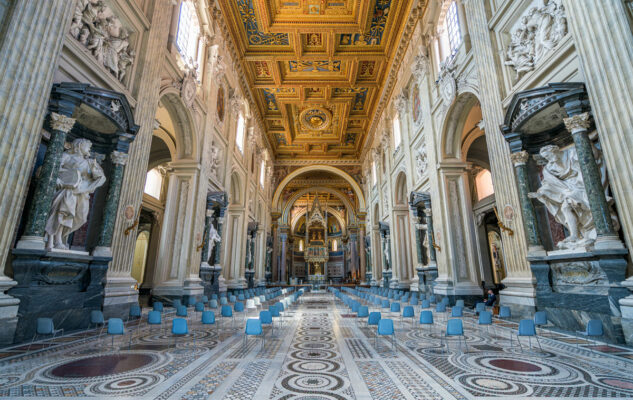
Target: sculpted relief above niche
95 26
539 30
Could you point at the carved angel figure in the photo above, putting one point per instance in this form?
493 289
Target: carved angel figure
79 176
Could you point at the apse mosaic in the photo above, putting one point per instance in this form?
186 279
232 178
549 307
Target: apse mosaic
334 52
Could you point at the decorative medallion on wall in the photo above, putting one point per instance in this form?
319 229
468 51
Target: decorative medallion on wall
189 84
415 104
315 118
220 104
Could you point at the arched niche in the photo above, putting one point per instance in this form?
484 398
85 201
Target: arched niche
325 168
236 195
401 190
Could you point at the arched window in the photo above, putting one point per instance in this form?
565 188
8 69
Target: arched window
262 173
153 183
188 32
239 135
451 23
397 136
483 182
335 245
301 245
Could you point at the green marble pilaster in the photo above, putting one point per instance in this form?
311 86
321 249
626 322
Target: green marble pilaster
578 125
519 160
418 244
119 160
218 246
45 185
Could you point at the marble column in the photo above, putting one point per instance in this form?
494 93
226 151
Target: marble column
520 159
208 221
119 284
361 251
353 255
104 246
283 238
578 125
45 184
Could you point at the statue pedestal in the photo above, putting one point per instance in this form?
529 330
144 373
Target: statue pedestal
60 285
576 287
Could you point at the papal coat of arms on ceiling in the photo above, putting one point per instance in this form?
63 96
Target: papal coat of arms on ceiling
315 118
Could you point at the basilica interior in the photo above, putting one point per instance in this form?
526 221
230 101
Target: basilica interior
316 199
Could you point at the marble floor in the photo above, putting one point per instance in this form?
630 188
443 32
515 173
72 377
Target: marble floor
320 352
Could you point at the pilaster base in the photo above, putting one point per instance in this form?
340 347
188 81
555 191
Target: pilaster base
31 243
119 296
8 311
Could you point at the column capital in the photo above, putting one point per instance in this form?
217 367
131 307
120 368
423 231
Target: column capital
60 122
519 158
577 123
118 157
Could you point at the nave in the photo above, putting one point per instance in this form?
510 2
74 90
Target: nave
317 349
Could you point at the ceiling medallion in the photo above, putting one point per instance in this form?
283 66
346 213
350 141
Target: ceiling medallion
315 118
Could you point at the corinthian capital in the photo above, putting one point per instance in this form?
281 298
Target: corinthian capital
577 123
61 122
519 158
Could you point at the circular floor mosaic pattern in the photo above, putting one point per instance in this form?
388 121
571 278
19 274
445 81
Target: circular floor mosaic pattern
102 365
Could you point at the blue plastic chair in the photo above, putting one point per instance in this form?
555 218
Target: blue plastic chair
181 311
96 319
459 303
504 312
179 328
191 301
526 328
116 328
540 319
373 318
158 306
455 327
208 318
363 312
413 301
238 307
213 303
432 299
176 303
395 308
135 312
154 318
223 301
407 312
594 329
232 298
426 318
266 318
457 312
214 296
205 299
227 312
199 307
254 328
426 304
385 328
479 307
485 319
241 297
274 311
45 327
385 304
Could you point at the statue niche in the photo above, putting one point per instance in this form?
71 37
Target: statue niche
79 176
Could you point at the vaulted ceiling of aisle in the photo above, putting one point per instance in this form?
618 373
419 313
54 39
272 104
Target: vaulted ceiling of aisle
316 68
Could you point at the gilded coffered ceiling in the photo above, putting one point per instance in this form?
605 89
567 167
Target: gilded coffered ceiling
316 68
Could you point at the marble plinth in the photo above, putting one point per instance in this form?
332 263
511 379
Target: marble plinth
62 286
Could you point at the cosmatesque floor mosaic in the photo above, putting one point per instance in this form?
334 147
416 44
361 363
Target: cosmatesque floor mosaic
320 352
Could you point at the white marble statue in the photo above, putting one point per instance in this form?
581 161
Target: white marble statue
100 31
563 193
79 176
537 32
214 239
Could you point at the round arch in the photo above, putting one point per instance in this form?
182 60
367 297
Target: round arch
401 196
451 143
296 196
325 168
183 124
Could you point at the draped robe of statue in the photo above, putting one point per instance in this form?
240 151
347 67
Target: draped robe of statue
79 176
563 192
